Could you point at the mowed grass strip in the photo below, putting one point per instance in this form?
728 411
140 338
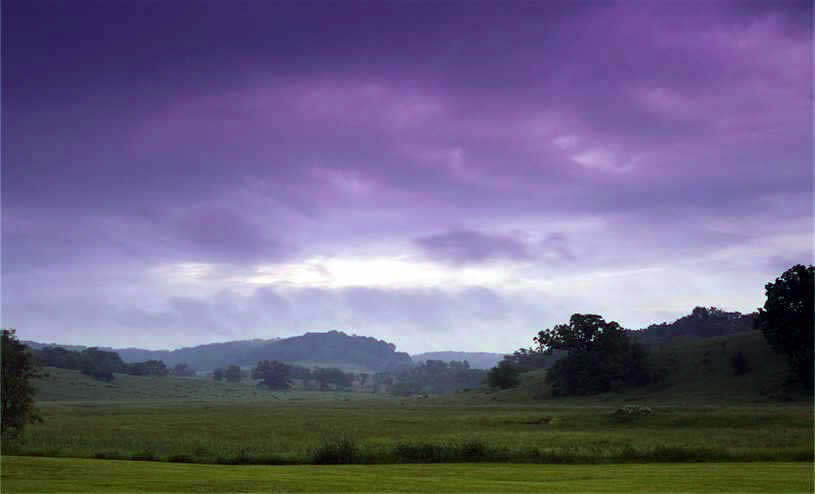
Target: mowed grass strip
54 475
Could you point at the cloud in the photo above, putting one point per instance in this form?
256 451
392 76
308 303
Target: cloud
294 183
470 246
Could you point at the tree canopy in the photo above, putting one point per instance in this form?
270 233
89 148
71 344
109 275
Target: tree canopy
600 356
787 319
503 376
233 374
274 374
17 392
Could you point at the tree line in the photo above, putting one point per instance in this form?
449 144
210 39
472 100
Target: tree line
589 355
103 364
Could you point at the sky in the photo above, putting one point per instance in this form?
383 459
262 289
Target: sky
445 175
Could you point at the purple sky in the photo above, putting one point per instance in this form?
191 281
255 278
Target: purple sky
443 175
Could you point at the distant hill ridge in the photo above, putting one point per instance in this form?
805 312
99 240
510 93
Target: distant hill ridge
331 346
379 355
702 322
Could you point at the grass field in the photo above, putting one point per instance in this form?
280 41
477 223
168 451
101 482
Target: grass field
288 429
72 385
710 431
56 475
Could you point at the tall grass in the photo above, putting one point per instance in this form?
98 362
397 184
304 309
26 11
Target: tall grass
398 431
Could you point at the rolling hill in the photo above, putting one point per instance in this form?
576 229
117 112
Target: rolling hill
320 349
699 372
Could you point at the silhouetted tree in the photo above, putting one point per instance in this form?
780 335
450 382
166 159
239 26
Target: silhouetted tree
334 376
739 364
384 379
101 364
233 374
58 357
147 368
218 374
601 356
363 378
503 376
183 370
274 374
16 393
787 319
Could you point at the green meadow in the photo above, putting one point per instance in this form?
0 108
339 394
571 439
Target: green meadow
288 427
707 431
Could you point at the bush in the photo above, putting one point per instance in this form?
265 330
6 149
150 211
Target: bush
242 458
467 451
503 376
109 455
146 455
631 412
338 451
739 364
180 459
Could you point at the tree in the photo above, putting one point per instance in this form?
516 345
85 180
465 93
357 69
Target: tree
786 320
600 356
384 379
17 393
101 364
363 378
183 370
334 376
274 374
504 375
148 368
58 357
233 374
218 374
739 364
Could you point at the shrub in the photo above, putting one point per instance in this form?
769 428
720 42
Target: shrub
146 455
180 459
338 451
467 451
631 412
242 458
109 455
739 364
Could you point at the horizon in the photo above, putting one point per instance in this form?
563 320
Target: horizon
353 334
436 175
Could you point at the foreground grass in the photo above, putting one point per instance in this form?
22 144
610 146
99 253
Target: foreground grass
30 475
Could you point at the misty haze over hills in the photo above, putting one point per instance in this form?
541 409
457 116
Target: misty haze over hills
378 355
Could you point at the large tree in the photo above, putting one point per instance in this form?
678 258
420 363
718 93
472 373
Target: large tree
504 375
17 393
274 374
787 319
600 356
233 374
101 364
